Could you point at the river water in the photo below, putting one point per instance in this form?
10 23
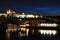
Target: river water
31 34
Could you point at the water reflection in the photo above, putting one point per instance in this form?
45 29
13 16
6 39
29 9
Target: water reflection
23 32
42 32
48 32
28 32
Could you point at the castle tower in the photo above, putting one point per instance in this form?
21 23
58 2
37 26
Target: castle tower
10 12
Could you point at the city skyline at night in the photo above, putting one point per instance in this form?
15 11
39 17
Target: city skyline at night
43 7
29 20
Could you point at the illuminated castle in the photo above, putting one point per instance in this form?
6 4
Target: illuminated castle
10 12
19 15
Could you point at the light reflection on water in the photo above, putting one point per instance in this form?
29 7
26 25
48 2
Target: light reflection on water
48 32
42 32
25 31
43 35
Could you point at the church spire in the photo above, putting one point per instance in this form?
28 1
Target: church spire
10 12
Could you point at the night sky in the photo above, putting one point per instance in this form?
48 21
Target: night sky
43 7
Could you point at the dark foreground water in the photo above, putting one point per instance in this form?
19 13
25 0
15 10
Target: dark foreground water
37 37
40 38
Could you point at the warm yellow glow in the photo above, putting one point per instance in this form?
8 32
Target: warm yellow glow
27 16
48 25
9 11
30 16
18 16
20 34
48 32
9 30
23 15
27 24
27 32
4 15
54 32
23 29
23 25
36 16
0 14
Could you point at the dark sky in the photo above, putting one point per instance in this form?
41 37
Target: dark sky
44 7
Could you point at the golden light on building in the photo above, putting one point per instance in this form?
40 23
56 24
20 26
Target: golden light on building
48 24
10 12
30 16
23 16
